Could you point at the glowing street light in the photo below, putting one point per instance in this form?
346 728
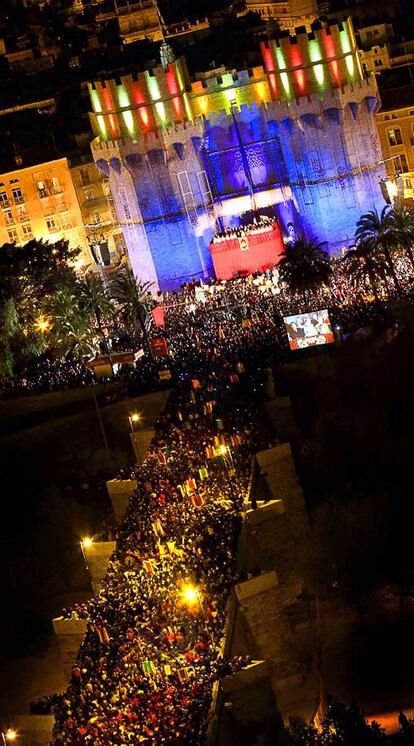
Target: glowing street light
190 595
134 419
85 544
79 265
42 324
9 735
225 453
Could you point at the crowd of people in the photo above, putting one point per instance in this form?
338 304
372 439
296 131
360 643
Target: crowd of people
198 317
153 646
260 225
152 651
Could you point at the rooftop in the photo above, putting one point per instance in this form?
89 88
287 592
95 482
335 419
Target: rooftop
397 98
30 158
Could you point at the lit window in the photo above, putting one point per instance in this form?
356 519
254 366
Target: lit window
404 164
12 234
17 195
85 177
401 164
27 231
394 137
22 214
3 198
66 222
41 189
8 217
51 224
56 187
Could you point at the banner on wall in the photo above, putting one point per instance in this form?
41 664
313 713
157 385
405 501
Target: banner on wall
244 243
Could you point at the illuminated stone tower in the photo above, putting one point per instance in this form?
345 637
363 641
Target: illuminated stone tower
294 138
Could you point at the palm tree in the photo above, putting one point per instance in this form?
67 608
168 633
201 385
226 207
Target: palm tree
132 295
73 330
402 228
376 230
304 266
93 298
361 263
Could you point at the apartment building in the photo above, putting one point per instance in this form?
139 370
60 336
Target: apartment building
39 201
102 230
395 123
287 13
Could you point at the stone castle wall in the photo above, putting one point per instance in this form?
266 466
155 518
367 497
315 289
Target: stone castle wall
303 141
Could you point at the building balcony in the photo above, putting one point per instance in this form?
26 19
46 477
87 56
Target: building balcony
6 203
43 193
10 221
19 200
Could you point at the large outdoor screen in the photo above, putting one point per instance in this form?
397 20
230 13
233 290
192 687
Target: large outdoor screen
309 329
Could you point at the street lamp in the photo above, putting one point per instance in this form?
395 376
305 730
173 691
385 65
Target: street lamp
225 453
9 735
191 595
42 324
134 419
85 544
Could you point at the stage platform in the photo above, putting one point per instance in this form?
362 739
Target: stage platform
253 251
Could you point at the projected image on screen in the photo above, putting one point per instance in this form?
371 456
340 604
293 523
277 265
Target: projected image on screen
309 329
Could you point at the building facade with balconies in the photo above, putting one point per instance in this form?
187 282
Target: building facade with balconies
395 123
40 201
103 232
286 13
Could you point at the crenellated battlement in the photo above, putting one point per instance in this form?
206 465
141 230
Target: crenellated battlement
300 70
229 79
120 147
317 27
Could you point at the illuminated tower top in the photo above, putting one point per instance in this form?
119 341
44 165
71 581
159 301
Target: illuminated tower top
304 64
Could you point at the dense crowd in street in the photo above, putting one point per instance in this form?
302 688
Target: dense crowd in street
146 669
245 311
152 652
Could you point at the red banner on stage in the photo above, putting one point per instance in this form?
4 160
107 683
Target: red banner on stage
251 252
